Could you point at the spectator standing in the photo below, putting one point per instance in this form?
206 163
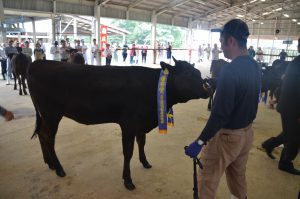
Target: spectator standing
27 50
169 52
124 51
132 53
68 44
227 136
42 46
19 49
137 54
144 53
3 60
108 55
282 55
10 51
215 52
64 51
95 53
55 51
208 51
83 50
200 53
259 55
38 52
159 49
116 50
251 52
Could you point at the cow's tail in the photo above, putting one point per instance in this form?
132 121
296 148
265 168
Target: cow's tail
38 124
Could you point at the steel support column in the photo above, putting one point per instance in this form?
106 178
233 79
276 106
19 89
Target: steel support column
153 35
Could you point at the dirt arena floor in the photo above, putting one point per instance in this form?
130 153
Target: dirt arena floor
93 160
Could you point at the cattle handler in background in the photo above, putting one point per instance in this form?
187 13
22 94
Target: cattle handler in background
227 137
289 109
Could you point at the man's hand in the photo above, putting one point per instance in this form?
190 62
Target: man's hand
193 149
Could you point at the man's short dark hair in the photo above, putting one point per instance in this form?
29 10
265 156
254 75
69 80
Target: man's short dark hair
237 29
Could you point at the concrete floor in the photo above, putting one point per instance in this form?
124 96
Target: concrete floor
92 157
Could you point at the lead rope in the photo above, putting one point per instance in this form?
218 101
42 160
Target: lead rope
196 162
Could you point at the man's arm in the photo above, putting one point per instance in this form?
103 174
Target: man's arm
222 107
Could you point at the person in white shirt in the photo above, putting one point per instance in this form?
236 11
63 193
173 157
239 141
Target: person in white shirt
95 53
83 50
108 55
64 51
43 47
55 51
215 52
208 51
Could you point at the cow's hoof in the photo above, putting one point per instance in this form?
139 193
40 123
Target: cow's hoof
147 165
60 173
129 185
51 167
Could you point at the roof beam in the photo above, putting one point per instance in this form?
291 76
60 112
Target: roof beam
136 3
271 3
170 5
103 2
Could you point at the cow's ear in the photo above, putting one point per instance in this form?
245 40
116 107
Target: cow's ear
164 65
175 61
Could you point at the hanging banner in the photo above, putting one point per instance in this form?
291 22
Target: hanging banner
104 39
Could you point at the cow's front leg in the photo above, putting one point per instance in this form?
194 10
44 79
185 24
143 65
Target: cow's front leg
128 145
141 140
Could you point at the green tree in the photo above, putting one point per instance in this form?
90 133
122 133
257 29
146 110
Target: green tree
140 33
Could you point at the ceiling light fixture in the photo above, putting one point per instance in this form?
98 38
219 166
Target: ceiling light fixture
294 20
240 15
286 15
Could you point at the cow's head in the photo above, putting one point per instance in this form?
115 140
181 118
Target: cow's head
184 82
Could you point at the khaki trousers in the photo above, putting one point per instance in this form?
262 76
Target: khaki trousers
226 152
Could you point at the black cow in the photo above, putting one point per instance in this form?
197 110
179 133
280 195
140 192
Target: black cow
272 78
20 63
93 95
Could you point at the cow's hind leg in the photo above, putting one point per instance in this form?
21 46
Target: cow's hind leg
24 85
20 87
15 80
128 145
47 140
141 140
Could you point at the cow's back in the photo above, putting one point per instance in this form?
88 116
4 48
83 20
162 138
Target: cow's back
90 94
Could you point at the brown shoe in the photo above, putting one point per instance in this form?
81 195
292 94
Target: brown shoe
8 115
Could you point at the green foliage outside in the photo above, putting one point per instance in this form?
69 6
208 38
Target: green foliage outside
140 33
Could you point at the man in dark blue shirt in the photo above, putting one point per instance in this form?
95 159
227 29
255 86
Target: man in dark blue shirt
228 134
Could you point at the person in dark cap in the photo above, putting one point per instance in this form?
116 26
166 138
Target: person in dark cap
289 109
227 136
